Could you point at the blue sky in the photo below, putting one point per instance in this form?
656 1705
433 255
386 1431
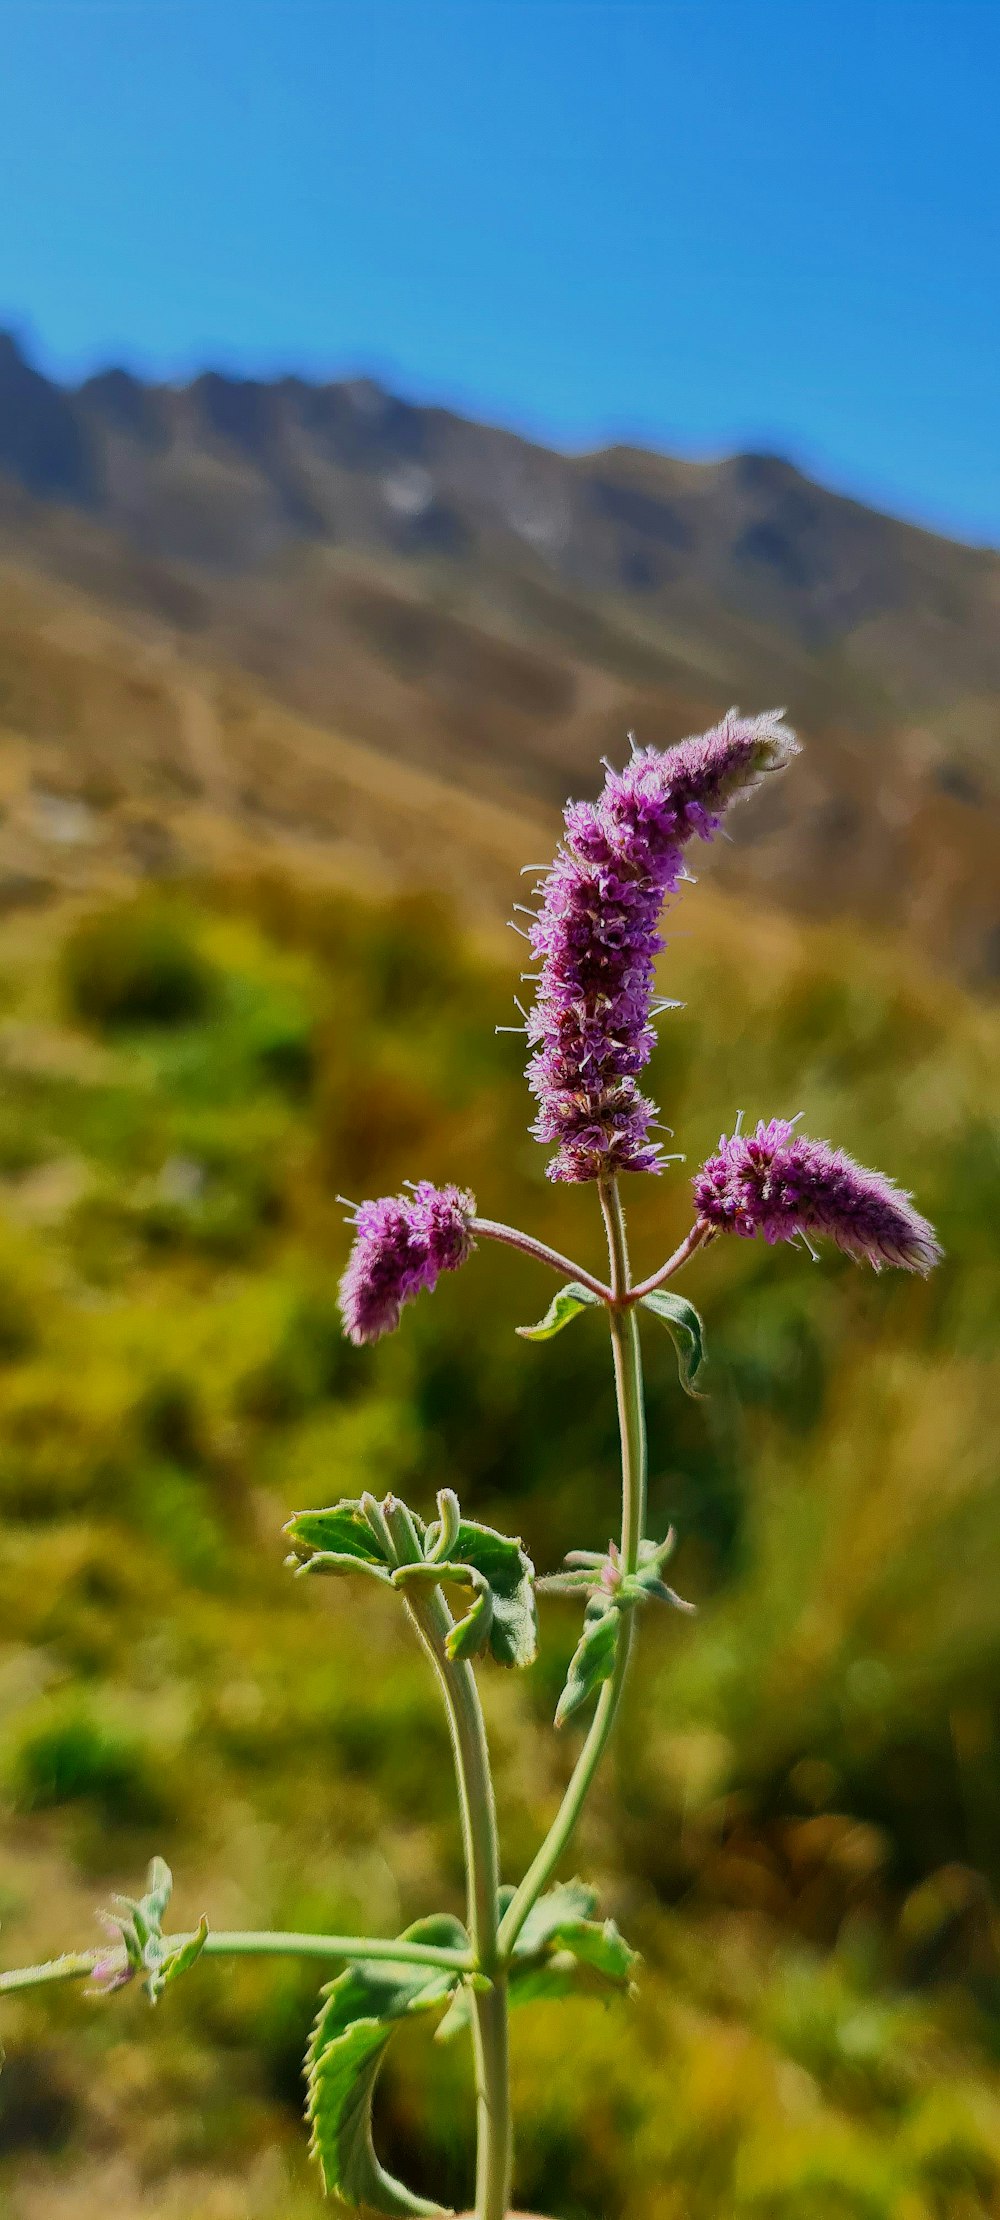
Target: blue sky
706 225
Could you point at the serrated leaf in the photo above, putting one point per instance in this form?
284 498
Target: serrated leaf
565 1305
342 1530
568 1902
560 1951
686 1330
593 1660
510 1577
600 1946
350 2036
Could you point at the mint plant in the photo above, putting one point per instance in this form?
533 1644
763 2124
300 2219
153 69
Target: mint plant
470 1591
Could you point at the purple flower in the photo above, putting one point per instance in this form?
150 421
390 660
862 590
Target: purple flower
596 937
109 1974
402 1243
115 1968
779 1183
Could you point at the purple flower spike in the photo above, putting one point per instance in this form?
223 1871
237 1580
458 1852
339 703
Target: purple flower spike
402 1244
779 1183
596 940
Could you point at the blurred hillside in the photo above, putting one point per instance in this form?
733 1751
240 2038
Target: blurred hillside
275 573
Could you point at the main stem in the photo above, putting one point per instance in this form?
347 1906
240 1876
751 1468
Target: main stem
479 1837
627 1356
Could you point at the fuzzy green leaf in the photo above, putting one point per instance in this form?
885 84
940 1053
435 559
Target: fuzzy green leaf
685 1327
177 1962
340 1531
593 1660
440 1536
350 2036
470 1635
560 1951
503 1615
569 1900
159 1889
598 1945
510 1576
338 1562
566 1304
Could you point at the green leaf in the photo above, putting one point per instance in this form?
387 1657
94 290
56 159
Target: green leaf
139 1922
440 1537
345 2052
140 1925
559 1951
470 1635
593 1660
510 1577
502 1615
422 1575
159 1889
337 1561
684 1325
598 1945
569 1901
340 1531
177 1962
562 1925
566 1304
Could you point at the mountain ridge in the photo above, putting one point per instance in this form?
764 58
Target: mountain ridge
497 615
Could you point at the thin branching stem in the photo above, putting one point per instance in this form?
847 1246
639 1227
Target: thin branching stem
492 1230
698 1238
239 1943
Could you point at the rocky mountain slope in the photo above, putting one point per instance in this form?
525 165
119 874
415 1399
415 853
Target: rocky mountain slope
263 573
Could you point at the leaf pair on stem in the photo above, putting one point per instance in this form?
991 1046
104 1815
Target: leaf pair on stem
611 1592
678 1316
561 1947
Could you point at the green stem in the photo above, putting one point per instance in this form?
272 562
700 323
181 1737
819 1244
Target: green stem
237 1943
479 1835
627 1356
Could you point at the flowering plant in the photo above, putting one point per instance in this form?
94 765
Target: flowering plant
470 1591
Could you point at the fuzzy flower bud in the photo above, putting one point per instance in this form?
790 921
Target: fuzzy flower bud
596 940
401 1245
778 1183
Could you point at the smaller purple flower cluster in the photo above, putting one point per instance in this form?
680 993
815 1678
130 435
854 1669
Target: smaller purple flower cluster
402 1244
595 937
778 1183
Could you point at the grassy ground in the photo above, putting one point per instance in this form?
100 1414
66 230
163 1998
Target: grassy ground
800 1829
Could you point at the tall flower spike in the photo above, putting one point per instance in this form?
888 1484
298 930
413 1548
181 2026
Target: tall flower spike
402 1244
596 937
779 1183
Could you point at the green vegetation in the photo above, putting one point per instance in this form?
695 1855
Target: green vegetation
812 1834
